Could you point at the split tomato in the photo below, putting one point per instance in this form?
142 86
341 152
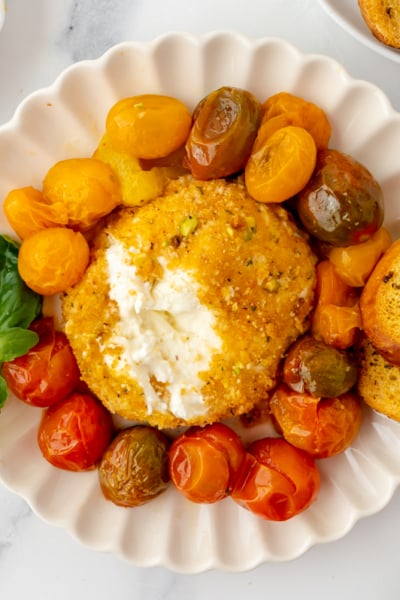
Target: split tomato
48 372
278 481
74 433
322 427
204 462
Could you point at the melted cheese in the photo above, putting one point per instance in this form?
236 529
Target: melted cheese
164 332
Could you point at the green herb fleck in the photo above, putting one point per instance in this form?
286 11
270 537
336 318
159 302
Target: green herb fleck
250 229
237 368
188 225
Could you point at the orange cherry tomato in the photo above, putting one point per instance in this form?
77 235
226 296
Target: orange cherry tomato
336 319
149 125
355 263
294 110
281 166
53 259
27 211
321 427
278 481
48 372
205 461
75 432
88 189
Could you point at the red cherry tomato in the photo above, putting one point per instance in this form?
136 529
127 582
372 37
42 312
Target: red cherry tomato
74 433
321 427
277 481
205 461
48 372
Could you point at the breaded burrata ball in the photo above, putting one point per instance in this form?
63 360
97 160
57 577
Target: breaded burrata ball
189 304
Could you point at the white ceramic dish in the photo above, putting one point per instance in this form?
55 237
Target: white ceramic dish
67 120
2 13
347 14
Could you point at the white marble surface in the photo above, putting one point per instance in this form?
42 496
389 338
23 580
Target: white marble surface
38 40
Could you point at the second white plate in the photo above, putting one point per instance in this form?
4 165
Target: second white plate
347 14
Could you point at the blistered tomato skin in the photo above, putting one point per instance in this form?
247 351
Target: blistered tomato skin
48 372
27 211
134 468
204 462
75 432
281 165
322 427
284 109
87 188
321 370
278 480
225 125
342 204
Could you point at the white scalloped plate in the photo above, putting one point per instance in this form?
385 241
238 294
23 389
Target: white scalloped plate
347 14
2 13
66 120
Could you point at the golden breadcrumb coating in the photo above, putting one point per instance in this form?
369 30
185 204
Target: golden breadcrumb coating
253 276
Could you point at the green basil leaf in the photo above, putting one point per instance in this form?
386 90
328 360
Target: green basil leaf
19 305
3 391
16 342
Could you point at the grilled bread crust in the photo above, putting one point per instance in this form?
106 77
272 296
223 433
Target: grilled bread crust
378 381
383 19
380 305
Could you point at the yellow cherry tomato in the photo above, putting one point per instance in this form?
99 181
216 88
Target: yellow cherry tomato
53 259
282 166
297 111
87 187
27 211
149 125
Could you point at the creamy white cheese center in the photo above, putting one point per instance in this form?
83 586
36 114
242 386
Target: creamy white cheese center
164 333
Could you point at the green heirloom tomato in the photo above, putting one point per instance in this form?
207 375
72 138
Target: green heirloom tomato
342 204
134 468
225 125
321 370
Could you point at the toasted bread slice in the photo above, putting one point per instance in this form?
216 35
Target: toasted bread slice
379 382
383 19
380 305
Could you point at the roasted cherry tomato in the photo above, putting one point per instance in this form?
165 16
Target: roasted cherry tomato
336 319
354 264
225 125
321 370
134 468
277 481
321 427
149 125
87 188
281 165
48 372
284 109
342 204
74 433
27 211
53 259
205 461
